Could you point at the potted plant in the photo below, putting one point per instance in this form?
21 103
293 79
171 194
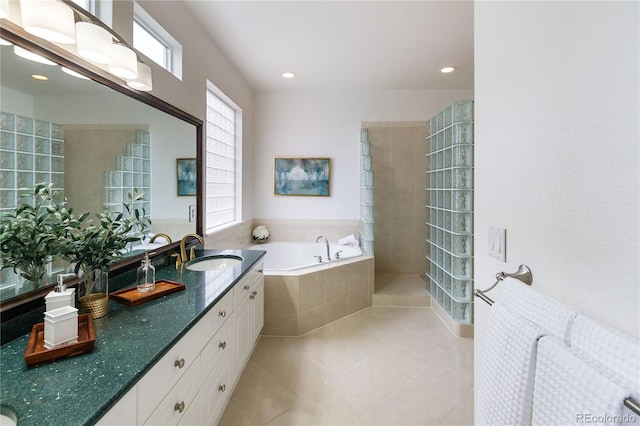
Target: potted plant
35 232
96 245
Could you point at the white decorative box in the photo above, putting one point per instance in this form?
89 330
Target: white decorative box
58 299
60 326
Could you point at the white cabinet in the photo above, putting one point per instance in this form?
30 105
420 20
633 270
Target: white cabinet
192 383
249 316
123 413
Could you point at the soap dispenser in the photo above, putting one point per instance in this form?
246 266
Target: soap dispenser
146 275
61 296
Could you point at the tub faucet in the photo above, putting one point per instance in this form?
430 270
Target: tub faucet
326 243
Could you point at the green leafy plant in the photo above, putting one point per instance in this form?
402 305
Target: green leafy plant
36 231
96 245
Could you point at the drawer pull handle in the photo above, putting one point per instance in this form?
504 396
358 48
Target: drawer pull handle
179 363
222 388
179 407
223 345
246 287
222 314
254 292
253 296
260 271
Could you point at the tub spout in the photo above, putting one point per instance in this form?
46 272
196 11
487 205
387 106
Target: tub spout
326 242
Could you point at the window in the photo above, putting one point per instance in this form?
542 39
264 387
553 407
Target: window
88 5
155 42
223 160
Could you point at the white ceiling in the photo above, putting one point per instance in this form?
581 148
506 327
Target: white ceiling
344 44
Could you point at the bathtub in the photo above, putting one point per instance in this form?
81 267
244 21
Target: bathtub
292 256
302 294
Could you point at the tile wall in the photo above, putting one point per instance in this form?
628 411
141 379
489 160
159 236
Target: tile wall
398 159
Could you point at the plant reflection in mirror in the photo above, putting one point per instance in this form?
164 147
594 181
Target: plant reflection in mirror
36 231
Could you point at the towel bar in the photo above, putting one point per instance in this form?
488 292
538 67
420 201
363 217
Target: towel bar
524 274
632 405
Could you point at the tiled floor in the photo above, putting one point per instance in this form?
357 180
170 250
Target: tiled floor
380 366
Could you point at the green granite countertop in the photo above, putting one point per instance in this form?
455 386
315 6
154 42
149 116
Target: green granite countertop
129 340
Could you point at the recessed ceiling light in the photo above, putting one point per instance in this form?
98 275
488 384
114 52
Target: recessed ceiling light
447 70
40 77
288 74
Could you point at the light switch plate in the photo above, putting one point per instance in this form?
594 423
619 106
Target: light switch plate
192 212
498 243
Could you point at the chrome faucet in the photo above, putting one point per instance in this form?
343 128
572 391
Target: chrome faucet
326 243
183 250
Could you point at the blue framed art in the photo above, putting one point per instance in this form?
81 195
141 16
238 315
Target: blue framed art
301 176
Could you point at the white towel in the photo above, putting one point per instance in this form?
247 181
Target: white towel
349 240
568 391
505 390
555 317
611 353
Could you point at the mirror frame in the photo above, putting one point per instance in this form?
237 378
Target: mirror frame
15 34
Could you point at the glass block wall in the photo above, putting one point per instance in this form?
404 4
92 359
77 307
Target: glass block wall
132 173
31 151
366 195
450 210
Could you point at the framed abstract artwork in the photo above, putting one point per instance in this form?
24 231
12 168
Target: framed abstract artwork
186 176
301 176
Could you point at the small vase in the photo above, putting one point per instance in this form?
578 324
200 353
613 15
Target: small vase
94 293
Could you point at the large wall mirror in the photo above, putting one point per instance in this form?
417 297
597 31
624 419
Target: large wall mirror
98 129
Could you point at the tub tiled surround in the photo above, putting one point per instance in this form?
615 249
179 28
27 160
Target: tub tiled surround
295 305
398 158
308 230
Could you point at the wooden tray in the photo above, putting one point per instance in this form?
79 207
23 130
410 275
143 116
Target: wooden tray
132 297
36 353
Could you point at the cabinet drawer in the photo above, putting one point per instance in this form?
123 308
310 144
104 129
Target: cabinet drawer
242 289
178 399
216 390
217 316
153 387
219 345
123 413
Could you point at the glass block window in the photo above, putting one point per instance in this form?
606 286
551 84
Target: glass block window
222 174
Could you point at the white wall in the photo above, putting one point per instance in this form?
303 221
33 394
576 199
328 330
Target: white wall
202 61
557 140
327 124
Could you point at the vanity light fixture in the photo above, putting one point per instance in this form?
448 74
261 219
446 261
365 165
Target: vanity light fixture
23 53
143 81
4 9
74 74
94 43
288 74
124 63
447 70
49 19
40 77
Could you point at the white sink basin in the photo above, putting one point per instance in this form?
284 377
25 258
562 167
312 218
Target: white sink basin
213 263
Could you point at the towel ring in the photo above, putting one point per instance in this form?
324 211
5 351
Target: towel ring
523 274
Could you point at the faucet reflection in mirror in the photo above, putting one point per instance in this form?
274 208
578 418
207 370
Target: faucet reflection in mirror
81 33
